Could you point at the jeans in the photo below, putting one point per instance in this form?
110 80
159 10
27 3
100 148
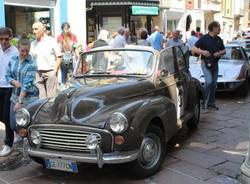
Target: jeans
211 76
5 94
64 72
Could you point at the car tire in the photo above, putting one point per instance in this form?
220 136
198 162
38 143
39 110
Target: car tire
194 121
152 153
243 90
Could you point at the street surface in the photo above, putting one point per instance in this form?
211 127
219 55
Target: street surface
210 155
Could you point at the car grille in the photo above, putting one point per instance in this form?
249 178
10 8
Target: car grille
67 140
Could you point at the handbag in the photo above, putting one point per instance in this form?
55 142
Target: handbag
67 58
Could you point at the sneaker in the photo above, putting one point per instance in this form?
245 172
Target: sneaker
6 150
213 108
17 138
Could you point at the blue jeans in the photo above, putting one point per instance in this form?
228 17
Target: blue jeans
211 76
64 72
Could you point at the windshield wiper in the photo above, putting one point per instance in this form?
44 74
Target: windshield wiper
100 73
134 74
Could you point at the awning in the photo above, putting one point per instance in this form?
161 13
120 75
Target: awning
33 3
123 2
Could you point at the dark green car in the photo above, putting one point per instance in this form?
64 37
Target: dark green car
121 106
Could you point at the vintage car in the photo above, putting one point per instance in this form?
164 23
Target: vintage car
234 70
122 106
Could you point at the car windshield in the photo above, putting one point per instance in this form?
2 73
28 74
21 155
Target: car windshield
115 62
233 53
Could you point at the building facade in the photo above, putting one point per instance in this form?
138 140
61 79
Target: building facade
112 14
21 14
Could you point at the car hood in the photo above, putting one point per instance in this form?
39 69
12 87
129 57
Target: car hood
229 71
91 105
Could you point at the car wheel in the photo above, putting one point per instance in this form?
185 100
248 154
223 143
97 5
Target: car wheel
194 121
152 153
243 90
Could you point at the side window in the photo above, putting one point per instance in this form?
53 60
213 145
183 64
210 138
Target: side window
180 59
167 61
236 53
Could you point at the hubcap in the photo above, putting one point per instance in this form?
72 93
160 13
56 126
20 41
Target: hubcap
150 151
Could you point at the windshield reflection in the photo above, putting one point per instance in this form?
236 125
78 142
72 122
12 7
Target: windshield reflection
118 62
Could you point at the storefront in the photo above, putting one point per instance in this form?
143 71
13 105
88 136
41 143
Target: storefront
112 14
21 14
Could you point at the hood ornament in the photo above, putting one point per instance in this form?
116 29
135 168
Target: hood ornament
65 118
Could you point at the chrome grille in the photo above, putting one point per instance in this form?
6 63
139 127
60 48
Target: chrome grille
67 140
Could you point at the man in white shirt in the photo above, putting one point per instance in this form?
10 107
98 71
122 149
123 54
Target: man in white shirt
6 52
47 54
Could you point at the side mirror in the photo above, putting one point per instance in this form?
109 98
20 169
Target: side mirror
164 73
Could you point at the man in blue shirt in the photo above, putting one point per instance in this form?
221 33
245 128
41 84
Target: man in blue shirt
210 47
156 39
175 40
191 41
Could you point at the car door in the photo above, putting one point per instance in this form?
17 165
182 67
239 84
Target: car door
168 79
183 77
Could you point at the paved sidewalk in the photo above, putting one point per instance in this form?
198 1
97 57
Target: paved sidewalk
210 155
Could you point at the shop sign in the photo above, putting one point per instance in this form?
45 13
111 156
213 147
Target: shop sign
145 10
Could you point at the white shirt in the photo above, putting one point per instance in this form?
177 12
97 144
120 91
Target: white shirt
5 57
44 52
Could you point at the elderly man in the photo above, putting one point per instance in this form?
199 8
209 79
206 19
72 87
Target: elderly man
175 40
47 54
120 39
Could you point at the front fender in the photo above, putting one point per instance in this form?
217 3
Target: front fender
35 107
141 113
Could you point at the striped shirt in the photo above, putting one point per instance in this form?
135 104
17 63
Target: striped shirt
25 73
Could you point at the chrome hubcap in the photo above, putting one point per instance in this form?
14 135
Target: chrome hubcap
150 152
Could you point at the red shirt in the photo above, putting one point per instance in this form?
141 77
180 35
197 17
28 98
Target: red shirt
73 38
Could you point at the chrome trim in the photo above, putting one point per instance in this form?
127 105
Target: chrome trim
99 158
76 128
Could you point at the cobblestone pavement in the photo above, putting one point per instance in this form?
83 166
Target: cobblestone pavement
210 155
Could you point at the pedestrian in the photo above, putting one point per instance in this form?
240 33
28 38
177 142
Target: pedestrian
6 52
156 39
21 75
175 40
211 48
143 38
99 62
47 55
68 44
102 39
120 39
198 33
191 41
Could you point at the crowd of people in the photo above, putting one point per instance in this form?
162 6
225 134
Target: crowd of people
31 70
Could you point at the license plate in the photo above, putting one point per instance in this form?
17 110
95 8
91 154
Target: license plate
62 165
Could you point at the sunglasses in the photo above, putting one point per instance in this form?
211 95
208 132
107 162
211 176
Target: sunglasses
5 39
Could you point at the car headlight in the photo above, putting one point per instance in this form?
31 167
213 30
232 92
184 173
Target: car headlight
35 137
118 122
92 141
22 117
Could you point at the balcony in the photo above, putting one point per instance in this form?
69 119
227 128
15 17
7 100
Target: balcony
211 6
173 4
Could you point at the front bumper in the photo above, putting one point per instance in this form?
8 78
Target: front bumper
99 158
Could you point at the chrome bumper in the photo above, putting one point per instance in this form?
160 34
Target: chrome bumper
98 158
